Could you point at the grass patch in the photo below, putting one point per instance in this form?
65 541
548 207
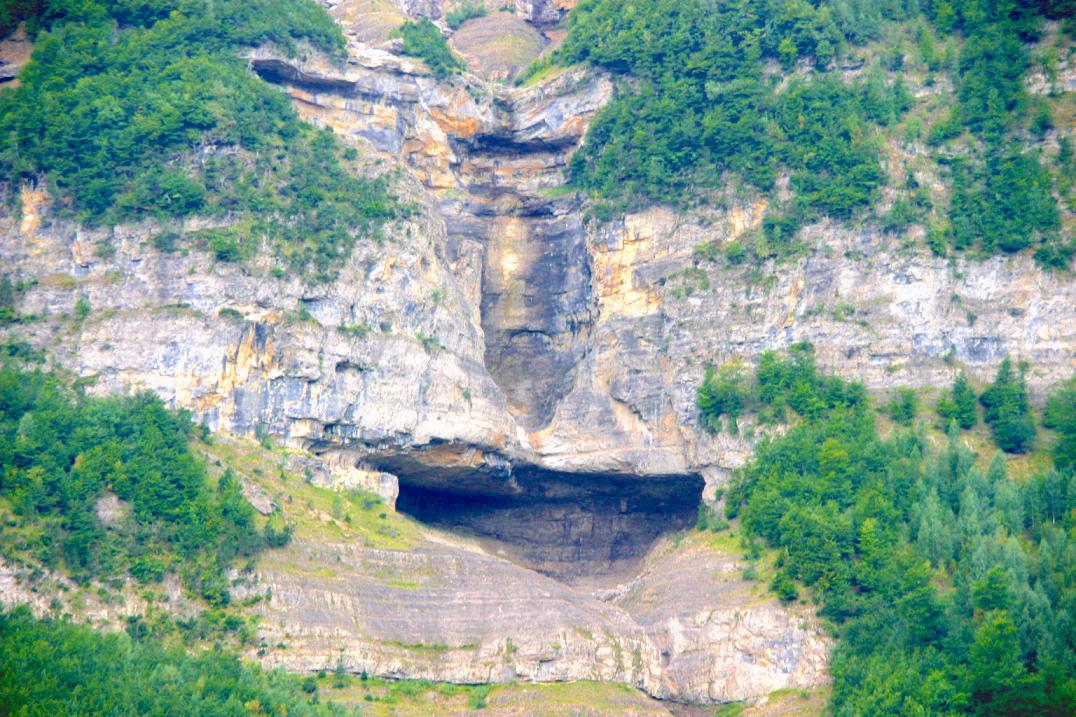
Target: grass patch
318 514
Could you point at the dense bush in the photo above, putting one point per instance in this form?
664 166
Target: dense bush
1002 198
794 382
52 668
60 453
961 405
903 407
423 40
1060 415
700 105
462 13
1006 410
952 589
697 104
1005 204
13 12
722 393
144 108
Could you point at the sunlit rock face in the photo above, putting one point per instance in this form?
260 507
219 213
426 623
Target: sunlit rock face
520 375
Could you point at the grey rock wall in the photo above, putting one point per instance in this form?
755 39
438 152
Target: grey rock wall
498 333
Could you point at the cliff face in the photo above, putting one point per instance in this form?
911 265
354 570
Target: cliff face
597 335
496 350
496 328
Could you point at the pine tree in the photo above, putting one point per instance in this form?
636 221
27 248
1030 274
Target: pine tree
1006 409
967 413
1010 507
1001 685
1060 415
960 404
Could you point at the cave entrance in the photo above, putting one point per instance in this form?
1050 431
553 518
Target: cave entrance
570 526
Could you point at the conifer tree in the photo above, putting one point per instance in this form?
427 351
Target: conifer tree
1007 411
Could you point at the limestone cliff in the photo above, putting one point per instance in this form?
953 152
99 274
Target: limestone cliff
498 347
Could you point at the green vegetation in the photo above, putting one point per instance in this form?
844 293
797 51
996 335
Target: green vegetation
903 407
13 12
397 698
701 102
952 589
62 454
722 393
462 13
700 65
360 512
1006 410
10 291
144 108
1002 195
1060 415
423 40
1005 204
961 405
54 668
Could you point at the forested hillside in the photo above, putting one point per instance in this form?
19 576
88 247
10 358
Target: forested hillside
50 668
751 91
951 582
146 109
322 341
61 454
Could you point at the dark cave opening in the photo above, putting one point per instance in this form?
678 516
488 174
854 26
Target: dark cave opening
566 525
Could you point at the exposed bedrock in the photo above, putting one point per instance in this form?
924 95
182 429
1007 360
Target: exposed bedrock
597 337
530 379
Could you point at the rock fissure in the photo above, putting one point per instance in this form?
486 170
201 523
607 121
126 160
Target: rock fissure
496 170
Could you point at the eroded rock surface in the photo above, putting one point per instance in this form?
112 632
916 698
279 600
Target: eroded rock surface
494 335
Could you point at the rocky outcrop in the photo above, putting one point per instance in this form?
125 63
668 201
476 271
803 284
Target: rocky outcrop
14 53
598 335
494 337
688 628
498 46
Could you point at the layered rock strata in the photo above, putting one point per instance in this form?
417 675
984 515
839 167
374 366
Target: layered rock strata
496 336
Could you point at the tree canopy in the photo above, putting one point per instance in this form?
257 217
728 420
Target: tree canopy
48 668
952 588
144 108
61 453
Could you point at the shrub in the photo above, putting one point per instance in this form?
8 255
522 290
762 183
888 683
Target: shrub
960 405
709 519
785 587
1006 410
1060 415
735 253
903 406
423 40
166 241
82 309
722 393
477 697
464 12
226 247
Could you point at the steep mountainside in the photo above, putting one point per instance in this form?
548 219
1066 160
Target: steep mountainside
501 365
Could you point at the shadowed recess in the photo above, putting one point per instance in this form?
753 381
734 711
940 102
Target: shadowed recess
565 525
